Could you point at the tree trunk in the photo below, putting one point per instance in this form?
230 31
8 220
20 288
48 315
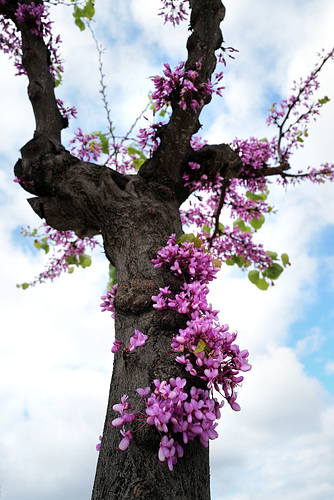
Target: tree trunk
145 226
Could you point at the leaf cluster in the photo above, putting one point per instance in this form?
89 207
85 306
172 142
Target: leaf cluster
264 278
86 12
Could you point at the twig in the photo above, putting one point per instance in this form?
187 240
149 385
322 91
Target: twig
103 86
225 185
126 137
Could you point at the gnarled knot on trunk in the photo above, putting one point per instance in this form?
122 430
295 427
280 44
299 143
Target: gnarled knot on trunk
135 296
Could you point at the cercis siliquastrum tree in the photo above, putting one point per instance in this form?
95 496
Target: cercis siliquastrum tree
170 350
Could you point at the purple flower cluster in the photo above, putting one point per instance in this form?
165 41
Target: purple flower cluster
43 28
173 11
244 198
66 112
293 115
120 159
324 173
124 418
316 175
240 243
197 142
173 412
187 260
254 152
98 446
108 301
148 137
10 41
225 51
207 348
38 14
86 146
138 340
184 84
68 252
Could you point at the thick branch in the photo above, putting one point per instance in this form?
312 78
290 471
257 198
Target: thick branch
36 62
71 194
213 159
216 158
266 171
168 162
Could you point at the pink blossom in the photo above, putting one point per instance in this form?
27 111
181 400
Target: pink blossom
138 340
98 446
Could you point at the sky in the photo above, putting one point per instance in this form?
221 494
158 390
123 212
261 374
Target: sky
55 359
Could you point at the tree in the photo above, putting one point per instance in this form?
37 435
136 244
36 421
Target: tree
136 206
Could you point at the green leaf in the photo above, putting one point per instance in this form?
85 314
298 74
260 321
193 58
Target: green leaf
45 247
238 260
104 142
221 227
324 100
139 155
87 12
262 284
200 346
25 286
217 263
254 276
186 237
257 223
89 9
285 259
71 259
242 226
112 276
132 150
273 272
84 260
198 243
58 81
37 244
70 270
272 255
256 197
80 24
207 229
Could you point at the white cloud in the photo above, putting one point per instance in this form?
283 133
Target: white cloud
329 367
280 444
310 343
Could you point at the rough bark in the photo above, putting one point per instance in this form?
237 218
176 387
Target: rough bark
135 215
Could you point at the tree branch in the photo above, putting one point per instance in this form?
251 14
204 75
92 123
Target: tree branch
36 61
168 163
